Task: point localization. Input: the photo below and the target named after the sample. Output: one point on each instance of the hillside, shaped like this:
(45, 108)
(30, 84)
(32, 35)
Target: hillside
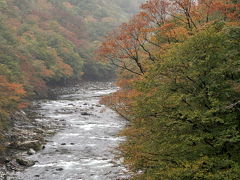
(46, 42)
(178, 64)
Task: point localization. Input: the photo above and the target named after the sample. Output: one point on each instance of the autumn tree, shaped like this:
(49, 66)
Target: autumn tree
(185, 124)
(123, 51)
(183, 109)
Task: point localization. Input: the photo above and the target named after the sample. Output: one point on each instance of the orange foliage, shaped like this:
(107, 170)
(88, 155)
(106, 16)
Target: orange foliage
(122, 100)
(71, 36)
(173, 20)
(23, 105)
(10, 94)
(64, 68)
(13, 23)
(31, 76)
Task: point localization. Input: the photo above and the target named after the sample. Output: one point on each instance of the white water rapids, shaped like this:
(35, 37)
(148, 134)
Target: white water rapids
(85, 148)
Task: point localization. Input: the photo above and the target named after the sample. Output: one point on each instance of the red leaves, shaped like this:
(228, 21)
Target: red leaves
(11, 88)
(156, 11)
(159, 24)
(10, 94)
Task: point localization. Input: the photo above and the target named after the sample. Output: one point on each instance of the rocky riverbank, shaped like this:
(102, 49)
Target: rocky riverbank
(84, 142)
(25, 138)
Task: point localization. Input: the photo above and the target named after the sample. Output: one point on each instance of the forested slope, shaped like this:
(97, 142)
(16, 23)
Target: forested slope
(47, 42)
(179, 75)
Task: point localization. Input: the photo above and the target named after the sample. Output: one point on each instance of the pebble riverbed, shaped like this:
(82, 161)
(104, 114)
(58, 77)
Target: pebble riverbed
(85, 148)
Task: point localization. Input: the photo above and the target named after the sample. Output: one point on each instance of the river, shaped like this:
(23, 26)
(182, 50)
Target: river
(84, 149)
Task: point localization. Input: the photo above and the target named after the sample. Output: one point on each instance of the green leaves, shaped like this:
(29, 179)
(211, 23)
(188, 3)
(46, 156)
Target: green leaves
(188, 115)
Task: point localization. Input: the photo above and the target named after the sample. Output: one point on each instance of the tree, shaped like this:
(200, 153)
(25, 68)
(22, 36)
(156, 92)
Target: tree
(185, 123)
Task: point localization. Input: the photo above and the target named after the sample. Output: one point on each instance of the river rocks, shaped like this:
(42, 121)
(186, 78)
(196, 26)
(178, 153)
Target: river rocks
(25, 162)
(85, 114)
(19, 117)
(36, 145)
(24, 138)
(84, 149)
(39, 130)
(59, 169)
(31, 152)
(3, 175)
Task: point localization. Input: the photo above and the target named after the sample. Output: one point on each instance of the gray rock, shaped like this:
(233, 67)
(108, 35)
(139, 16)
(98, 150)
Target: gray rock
(25, 162)
(59, 169)
(3, 173)
(31, 151)
(85, 114)
(36, 145)
(39, 130)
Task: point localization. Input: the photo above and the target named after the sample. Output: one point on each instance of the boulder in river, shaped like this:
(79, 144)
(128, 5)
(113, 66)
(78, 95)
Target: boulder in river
(25, 162)
(59, 169)
(31, 151)
(85, 114)
(36, 145)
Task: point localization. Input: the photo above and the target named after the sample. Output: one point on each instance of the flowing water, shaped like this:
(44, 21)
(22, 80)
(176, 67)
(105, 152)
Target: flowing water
(84, 149)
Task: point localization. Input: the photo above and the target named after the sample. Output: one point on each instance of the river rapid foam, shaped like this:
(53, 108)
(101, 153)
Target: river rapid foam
(84, 149)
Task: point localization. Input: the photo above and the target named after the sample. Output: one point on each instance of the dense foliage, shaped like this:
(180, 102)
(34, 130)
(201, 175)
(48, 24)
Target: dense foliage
(179, 77)
(46, 42)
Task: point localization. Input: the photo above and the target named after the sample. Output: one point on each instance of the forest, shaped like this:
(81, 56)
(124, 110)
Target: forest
(52, 42)
(178, 65)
